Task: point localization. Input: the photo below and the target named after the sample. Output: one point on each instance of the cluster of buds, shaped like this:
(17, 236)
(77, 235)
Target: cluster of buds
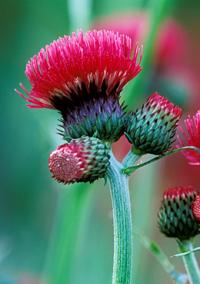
(82, 77)
(179, 214)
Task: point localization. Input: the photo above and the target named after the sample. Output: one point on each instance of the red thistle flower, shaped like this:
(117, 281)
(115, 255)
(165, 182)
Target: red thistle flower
(196, 208)
(81, 160)
(189, 135)
(82, 77)
(175, 217)
(152, 127)
(98, 57)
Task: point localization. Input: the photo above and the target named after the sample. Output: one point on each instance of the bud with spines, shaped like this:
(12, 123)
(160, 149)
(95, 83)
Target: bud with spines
(175, 217)
(151, 128)
(82, 160)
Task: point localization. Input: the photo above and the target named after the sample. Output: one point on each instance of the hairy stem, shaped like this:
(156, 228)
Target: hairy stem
(130, 159)
(190, 262)
(122, 221)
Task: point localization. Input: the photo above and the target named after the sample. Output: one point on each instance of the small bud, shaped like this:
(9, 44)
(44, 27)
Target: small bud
(152, 127)
(196, 208)
(82, 160)
(175, 217)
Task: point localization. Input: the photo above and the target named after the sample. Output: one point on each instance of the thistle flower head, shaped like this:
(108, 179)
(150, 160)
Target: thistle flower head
(74, 65)
(196, 208)
(81, 160)
(82, 76)
(152, 127)
(189, 135)
(175, 217)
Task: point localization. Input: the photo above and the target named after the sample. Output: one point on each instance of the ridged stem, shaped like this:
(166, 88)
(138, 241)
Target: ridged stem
(190, 262)
(122, 221)
(130, 159)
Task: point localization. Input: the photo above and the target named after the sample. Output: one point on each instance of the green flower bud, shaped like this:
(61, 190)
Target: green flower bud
(152, 127)
(175, 217)
(82, 160)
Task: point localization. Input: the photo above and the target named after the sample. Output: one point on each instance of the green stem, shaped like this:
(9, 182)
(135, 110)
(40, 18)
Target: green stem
(162, 258)
(122, 221)
(67, 226)
(187, 252)
(190, 262)
(130, 170)
(130, 159)
(161, 7)
(79, 14)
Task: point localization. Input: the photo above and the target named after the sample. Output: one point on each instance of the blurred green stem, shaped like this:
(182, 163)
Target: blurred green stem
(190, 262)
(154, 248)
(79, 13)
(72, 207)
(158, 10)
(122, 221)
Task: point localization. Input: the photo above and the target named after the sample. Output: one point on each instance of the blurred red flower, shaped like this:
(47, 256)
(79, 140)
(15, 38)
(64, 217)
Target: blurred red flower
(171, 43)
(189, 135)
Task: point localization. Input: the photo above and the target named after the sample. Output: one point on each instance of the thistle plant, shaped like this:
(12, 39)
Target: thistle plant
(82, 77)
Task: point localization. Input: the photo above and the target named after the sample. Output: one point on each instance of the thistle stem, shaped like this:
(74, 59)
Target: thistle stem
(131, 169)
(130, 159)
(190, 262)
(122, 221)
